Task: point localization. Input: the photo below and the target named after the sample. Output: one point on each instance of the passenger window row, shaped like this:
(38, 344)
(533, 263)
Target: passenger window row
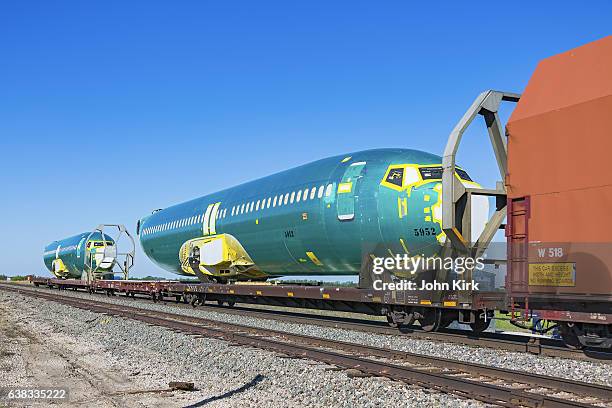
(265, 203)
(185, 222)
(283, 199)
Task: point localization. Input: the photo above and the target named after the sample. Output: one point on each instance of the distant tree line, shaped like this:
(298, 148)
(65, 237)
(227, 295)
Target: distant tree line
(13, 278)
(311, 282)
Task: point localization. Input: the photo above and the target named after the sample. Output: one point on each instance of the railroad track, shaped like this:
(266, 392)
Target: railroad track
(498, 341)
(492, 385)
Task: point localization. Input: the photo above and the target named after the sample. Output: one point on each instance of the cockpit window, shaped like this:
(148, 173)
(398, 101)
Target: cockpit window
(435, 173)
(100, 244)
(463, 175)
(395, 176)
(428, 173)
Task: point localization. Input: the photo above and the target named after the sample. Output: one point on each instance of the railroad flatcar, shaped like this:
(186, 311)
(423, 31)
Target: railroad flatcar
(72, 257)
(316, 219)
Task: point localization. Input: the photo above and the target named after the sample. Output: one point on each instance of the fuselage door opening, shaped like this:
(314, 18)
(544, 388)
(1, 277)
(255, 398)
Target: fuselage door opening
(209, 225)
(347, 191)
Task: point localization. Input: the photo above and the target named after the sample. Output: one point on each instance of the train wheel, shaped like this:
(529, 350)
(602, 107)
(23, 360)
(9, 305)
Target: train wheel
(480, 324)
(193, 301)
(430, 319)
(400, 318)
(220, 302)
(231, 303)
(447, 318)
(569, 336)
(392, 322)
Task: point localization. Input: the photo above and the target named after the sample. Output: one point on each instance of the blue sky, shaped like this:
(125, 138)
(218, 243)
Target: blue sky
(112, 109)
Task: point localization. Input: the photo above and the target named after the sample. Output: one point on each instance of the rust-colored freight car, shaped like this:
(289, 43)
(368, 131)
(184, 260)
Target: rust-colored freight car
(559, 186)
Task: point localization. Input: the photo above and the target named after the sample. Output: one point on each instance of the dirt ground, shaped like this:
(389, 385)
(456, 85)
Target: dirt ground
(52, 360)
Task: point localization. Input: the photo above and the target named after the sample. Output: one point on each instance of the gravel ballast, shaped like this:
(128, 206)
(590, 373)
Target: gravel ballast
(225, 375)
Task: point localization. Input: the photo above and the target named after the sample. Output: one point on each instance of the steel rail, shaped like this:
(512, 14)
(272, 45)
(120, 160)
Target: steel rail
(507, 342)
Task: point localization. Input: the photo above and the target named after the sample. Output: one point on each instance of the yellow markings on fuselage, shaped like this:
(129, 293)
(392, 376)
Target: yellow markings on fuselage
(314, 258)
(345, 187)
(436, 212)
(411, 177)
(58, 267)
(346, 159)
(404, 245)
(402, 207)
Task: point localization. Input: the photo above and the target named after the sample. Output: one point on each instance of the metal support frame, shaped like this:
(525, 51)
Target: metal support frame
(454, 194)
(456, 198)
(127, 257)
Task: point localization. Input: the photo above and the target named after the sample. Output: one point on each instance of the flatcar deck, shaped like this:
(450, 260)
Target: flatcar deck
(338, 298)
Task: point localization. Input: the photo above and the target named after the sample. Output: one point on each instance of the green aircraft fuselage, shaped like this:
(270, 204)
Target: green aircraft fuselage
(69, 257)
(320, 218)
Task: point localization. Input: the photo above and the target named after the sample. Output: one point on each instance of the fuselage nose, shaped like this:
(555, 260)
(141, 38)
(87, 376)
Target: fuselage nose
(410, 218)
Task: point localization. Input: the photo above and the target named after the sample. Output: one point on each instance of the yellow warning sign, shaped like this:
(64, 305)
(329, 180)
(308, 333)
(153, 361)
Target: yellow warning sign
(552, 274)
